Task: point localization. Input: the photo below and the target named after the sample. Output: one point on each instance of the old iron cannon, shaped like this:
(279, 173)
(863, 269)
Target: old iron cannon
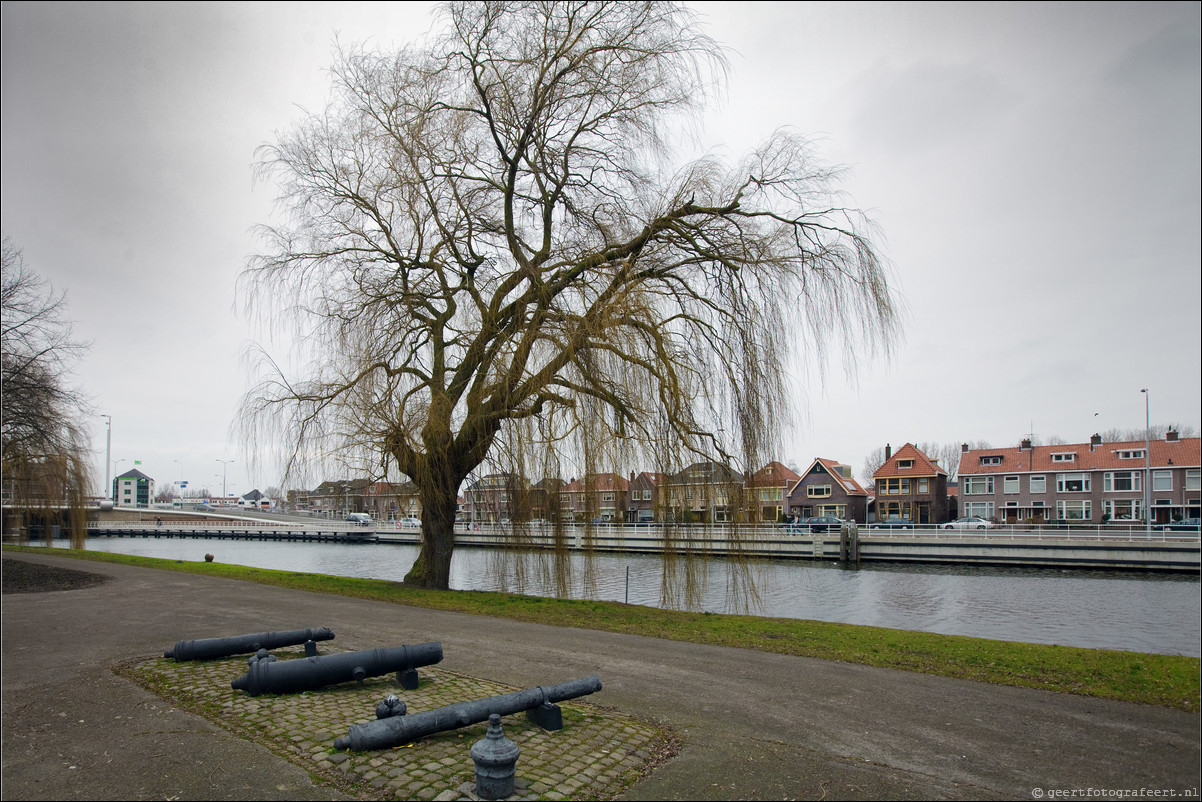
(311, 673)
(213, 648)
(384, 733)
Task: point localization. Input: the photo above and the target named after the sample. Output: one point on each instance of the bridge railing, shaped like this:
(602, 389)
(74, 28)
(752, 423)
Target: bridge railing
(226, 525)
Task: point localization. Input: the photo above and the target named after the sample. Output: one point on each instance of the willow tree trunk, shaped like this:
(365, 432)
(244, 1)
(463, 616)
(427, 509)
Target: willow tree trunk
(438, 490)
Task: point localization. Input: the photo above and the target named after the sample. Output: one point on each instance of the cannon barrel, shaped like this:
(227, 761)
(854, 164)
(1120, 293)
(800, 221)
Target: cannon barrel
(399, 730)
(212, 648)
(311, 673)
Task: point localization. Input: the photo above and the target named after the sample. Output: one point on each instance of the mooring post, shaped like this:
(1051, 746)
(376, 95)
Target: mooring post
(849, 545)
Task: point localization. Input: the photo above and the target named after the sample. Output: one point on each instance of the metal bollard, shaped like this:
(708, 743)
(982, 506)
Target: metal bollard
(496, 759)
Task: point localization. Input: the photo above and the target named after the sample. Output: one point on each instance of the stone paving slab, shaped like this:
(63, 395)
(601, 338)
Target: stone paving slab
(597, 755)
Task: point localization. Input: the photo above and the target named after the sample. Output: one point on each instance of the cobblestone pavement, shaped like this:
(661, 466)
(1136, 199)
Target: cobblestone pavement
(597, 755)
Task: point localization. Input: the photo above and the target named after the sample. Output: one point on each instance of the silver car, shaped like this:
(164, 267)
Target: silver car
(971, 522)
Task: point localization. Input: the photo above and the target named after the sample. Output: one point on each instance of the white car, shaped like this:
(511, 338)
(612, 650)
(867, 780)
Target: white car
(409, 523)
(971, 522)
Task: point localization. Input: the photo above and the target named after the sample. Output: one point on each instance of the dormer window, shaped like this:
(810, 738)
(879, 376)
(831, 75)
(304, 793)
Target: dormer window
(1132, 454)
(905, 463)
(1064, 456)
(993, 460)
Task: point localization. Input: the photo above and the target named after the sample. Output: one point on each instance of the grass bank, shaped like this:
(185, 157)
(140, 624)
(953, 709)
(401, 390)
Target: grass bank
(1163, 680)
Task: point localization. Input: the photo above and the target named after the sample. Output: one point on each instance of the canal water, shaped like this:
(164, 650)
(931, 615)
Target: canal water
(1156, 613)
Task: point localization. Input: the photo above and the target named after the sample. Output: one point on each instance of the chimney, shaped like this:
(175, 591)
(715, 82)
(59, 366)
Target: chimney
(1171, 436)
(964, 448)
(1094, 441)
(888, 452)
(1025, 445)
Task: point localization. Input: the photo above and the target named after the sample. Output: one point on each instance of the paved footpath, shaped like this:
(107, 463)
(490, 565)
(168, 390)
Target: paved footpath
(754, 725)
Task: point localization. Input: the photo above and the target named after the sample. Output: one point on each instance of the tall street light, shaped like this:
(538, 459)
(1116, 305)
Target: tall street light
(108, 455)
(225, 463)
(1147, 462)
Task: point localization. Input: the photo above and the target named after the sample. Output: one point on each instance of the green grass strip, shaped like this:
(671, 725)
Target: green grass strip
(1164, 680)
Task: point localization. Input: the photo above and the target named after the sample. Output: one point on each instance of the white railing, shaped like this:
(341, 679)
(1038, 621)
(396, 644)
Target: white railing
(768, 532)
(227, 525)
(716, 534)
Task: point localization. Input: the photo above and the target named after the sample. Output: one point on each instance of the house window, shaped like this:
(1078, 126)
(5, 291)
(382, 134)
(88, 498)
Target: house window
(818, 491)
(905, 463)
(1123, 509)
(1193, 479)
(1072, 483)
(837, 510)
(1039, 484)
(924, 485)
(1073, 510)
(1122, 482)
(993, 460)
(1068, 456)
(1162, 480)
(981, 509)
(1010, 484)
(978, 485)
(1137, 454)
(894, 487)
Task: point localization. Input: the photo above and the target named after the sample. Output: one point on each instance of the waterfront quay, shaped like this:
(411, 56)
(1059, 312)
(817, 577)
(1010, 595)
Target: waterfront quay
(1082, 547)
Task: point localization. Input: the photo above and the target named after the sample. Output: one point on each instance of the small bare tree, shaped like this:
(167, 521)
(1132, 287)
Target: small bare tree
(490, 257)
(44, 450)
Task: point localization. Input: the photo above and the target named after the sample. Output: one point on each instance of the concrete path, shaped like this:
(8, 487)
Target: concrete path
(755, 726)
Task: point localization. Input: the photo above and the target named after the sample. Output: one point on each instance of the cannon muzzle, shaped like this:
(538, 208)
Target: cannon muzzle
(384, 733)
(213, 648)
(311, 673)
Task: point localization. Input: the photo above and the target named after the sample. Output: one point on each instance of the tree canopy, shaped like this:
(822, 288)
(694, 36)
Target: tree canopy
(43, 441)
(490, 253)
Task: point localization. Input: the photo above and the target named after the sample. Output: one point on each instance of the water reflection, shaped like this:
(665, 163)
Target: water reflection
(1094, 609)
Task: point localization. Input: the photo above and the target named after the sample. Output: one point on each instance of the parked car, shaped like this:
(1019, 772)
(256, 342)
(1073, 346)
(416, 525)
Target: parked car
(409, 523)
(893, 522)
(969, 522)
(359, 519)
(824, 523)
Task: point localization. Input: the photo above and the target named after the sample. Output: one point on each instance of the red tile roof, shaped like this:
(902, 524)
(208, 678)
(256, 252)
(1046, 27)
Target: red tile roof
(772, 475)
(600, 481)
(1185, 452)
(923, 465)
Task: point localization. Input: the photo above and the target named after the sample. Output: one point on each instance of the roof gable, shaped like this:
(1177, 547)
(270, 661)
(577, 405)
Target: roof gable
(832, 468)
(919, 464)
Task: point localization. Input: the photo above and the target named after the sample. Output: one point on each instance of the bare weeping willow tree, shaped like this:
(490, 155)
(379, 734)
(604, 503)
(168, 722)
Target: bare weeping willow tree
(44, 455)
(488, 256)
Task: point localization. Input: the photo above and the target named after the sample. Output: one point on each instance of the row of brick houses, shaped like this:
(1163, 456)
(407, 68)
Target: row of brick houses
(1089, 482)
(1094, 482)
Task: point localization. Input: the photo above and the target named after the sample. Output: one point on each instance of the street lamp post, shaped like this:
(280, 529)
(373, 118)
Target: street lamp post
(225, 463)
(117, 462)
(108, 455)
(1147, 462)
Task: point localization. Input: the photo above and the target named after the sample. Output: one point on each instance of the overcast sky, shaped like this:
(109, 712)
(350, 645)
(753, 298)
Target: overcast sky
(1034, 169)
